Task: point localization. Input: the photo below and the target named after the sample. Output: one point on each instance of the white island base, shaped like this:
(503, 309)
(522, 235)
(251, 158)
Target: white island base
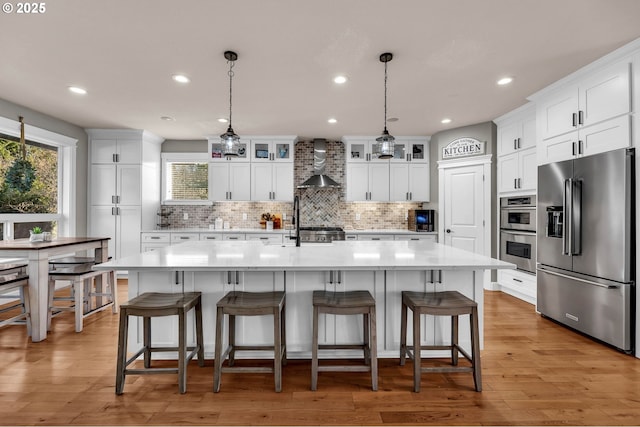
(383, 268)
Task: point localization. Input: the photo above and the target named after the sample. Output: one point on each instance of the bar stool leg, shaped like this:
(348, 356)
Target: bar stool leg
(146, 339)
(217, 363)
(232, 339)
(417, 358)
(373, 346)
(182, 349)
(475, 344)
(365, 335)
(114, 291)
(314, 351)
(283, 331)
(454, 340)
(122, 351)
(199, 332)
(403, 333)
(277, 350)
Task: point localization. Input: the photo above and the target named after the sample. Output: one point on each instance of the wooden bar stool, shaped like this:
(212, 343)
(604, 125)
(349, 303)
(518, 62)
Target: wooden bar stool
(346, 303)
(250, 304)
(80, 279)
(447, 303)
(153, 304)
(14, 277)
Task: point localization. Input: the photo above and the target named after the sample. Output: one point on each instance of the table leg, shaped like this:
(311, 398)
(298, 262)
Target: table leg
(101, 255)
(38, 271)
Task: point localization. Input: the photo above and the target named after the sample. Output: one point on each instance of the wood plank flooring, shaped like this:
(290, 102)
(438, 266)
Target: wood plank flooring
(534, 373)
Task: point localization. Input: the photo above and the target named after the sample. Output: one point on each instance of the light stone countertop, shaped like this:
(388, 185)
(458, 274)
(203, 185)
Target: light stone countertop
(286, 231)
(342, 255)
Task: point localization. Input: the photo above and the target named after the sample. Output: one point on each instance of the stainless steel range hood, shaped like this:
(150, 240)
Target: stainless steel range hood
(319, 179)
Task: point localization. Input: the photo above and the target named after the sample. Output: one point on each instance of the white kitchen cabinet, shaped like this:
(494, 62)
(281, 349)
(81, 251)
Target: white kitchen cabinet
(216, 147)
(595, 97)
(233, 236)
(272, 149)
(265, 238)
(375, 237)
(409, 181)
(368, 182)
(272, 181)
(517, 135)
(604, 136)
(518, 171)
(184, 237)
(153, 241)
(230, 181)
(418, 237)
(210, 236)
(124, 186)
(359, 149)
(411, 149)
(518, 284)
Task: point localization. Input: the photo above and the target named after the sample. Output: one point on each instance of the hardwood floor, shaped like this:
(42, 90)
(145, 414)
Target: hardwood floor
(534, 373)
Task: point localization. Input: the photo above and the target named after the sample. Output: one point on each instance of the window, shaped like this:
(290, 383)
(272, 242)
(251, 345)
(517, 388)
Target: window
(43, 193)
(185, 178)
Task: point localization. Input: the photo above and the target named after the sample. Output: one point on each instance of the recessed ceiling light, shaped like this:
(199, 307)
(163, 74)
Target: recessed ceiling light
(340, 79)
(504, 81)
(445, 121)
(78, 90)
(223, 120)
(181, 78)
(167, 119)
(332, 120)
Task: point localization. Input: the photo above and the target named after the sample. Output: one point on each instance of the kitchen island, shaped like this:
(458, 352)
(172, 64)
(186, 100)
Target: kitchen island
(385, 268)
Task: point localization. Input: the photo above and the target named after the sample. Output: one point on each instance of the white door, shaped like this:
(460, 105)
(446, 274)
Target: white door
(464, 207)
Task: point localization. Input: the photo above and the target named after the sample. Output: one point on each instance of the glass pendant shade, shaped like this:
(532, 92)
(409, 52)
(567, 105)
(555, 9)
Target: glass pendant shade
(230, 142)
(385, 145)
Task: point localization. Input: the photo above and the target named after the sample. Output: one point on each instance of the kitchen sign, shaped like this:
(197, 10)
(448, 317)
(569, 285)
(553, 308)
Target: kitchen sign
(463, 147)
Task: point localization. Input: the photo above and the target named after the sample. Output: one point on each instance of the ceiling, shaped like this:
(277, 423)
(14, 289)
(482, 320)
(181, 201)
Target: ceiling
(448, 55)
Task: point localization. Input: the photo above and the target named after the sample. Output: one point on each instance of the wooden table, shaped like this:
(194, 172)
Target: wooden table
(38, 255)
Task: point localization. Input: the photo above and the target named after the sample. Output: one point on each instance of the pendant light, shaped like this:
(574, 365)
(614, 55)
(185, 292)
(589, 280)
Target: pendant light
(230, 141)
(385, 143)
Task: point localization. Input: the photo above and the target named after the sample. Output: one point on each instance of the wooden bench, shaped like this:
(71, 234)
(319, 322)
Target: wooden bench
(13, 277)
(80, 278)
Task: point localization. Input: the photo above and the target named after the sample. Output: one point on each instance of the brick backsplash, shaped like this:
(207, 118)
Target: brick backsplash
(318, 207)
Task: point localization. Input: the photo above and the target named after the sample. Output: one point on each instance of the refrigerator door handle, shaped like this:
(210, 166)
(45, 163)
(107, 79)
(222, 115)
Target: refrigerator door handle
(568, 215)
(566, 276)
(576, 218)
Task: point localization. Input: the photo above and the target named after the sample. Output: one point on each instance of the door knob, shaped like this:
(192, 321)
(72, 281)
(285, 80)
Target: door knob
(448, 230)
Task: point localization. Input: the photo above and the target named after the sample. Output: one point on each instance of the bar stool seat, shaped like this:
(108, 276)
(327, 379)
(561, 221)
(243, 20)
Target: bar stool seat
(80, 279)
(13, 277)
(250, 304)
(346, 303)
(445, 303)
(154, 304)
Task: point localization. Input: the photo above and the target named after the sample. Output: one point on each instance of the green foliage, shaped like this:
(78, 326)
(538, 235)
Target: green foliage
(36, 230)
(16, 195)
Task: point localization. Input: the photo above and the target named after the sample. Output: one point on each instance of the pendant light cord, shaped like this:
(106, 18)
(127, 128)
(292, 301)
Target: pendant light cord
(23, 145)
(232, 63)
(385, 96)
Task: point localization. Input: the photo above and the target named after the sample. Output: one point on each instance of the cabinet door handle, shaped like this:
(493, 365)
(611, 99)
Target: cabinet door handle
(573, 148)
(580, 117)
(113, 211)
(580, 147)
(515, 182)
(574, 119)
(237, 280)
(519, 143)
(410, 195)
(113, 199)
(519, 182)
(230, 198)
(515, 144)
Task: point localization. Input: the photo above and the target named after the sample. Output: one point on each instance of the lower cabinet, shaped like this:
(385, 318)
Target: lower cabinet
(518, 284)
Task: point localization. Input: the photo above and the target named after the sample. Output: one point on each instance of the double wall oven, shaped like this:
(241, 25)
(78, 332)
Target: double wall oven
(518, 232)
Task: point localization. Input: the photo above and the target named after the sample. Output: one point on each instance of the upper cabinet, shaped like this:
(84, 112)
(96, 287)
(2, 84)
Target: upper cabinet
(517, 166)
(589, 114)
(272, 150)
(403, 178)
(263, 170)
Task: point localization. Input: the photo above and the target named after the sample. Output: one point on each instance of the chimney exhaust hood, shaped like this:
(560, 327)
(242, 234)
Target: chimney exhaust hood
(319, 179)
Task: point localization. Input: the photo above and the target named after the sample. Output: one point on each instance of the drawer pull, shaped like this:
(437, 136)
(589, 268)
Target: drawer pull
(517, 280)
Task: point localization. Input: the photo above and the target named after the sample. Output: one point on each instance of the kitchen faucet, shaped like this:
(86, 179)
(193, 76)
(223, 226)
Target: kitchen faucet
(295, 219)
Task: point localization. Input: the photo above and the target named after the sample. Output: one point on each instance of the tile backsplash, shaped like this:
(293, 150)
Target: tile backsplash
(318, 207)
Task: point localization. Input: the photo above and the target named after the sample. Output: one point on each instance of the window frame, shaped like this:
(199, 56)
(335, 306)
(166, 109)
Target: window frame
(67, 147)
(181, 157)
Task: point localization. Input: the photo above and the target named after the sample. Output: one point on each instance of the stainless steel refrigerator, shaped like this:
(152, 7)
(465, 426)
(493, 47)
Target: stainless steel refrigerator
(586, 241)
